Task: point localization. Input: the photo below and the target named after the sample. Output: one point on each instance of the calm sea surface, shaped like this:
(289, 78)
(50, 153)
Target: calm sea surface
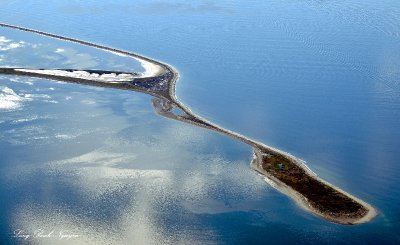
(318, 79)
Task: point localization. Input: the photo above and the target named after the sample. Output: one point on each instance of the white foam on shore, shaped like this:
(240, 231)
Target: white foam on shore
(109, 78)
(117, 53)
(150, 69)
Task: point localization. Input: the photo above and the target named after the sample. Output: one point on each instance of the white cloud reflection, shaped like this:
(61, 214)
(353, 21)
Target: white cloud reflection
(74, 59)
(8, 44)
(141, 172)
(4, 40)
(116, 178)
(117, 175)
(9, 100)
(146, 180)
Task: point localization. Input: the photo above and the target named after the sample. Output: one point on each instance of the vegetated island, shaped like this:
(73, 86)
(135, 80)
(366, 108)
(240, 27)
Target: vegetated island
(283, 171)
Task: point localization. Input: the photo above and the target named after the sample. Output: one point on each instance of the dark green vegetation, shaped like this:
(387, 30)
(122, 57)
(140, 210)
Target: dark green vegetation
(320, 196)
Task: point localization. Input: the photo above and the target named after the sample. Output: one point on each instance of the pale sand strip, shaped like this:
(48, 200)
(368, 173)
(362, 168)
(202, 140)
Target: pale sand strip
(108, 78)
(150, 69)
(153, 67)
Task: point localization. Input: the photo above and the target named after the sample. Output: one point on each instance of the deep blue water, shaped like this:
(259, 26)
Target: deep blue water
(319, 79)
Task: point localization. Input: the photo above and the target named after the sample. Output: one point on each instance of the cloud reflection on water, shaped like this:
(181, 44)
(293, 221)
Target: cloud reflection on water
(100, 163)
(131, 178)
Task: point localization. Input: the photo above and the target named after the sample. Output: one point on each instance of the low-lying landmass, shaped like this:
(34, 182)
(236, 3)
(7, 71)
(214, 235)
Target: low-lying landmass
(283, 171)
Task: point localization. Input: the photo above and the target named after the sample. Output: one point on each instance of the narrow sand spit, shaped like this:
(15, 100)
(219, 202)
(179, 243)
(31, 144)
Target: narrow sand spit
(110, 77)
(153, 81)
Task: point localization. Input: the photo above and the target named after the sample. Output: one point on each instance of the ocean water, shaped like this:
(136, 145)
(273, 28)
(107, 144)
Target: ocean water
(318, 79)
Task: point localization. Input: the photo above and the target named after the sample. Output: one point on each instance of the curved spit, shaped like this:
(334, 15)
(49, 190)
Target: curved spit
(283, 171)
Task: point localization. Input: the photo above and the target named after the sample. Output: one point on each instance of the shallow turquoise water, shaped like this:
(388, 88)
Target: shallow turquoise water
(317, 79)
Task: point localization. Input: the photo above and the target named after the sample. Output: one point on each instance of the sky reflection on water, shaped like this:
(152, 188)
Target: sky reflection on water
(318, 79)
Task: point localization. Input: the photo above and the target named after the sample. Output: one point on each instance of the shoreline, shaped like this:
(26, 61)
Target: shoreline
(159, 80)
(302, 201)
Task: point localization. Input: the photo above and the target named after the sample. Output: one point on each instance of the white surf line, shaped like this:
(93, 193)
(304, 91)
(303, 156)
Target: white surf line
(106, 77)
(152, 67)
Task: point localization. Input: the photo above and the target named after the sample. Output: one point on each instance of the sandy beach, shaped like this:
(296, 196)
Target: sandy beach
(151, 81)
